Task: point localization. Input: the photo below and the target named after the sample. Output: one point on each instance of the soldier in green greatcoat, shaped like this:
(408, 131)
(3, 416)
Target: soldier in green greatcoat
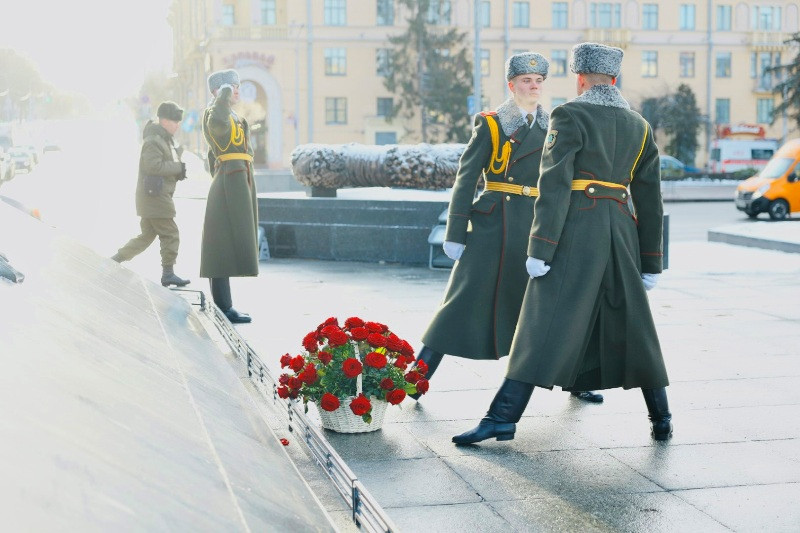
(585, 319)
(488, 237)
(160, 169)
(229, 247)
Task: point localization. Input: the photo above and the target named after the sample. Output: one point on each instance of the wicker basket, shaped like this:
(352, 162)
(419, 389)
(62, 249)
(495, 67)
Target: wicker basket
(343, 420)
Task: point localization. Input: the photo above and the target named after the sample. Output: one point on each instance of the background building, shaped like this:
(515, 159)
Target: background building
(312, 69)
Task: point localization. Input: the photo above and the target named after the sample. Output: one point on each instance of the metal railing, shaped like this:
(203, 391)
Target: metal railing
(366, 512)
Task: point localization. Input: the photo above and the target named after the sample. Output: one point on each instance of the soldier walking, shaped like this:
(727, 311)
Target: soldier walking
(586, 319)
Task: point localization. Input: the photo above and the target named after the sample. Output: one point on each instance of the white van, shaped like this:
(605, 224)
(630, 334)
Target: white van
(729, 155)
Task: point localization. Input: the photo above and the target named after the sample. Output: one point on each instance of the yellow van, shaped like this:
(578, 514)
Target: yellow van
(776, 189)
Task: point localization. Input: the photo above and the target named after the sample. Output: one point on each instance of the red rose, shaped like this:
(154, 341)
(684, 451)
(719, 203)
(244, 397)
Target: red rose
(309, 375)
(407, 350)
(286, 360)
(359, 334)
(327, 330)
(422, 367)
(409, 359)
(376, 339)
(351, 367)
(360, 405)
(337, 338)
(297, 363)
(353, 322)
(332, 321)
(394, 343)
(310, 342)
(284, 379)
(413, 376)
(387, 384)
(294, 394)
(294, 383)
(422, 385)
(375, 327)
(401, 363)
(329, 402)
(375, 360)
(283, 392)
(325, 357)
(396, 396)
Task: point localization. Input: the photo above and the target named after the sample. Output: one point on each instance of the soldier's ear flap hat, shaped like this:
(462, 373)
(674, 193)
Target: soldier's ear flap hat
(596, 58)
(170, 111)
(221, 77)
(526, 63)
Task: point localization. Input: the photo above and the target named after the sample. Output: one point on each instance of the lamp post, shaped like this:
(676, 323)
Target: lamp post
(476, 74)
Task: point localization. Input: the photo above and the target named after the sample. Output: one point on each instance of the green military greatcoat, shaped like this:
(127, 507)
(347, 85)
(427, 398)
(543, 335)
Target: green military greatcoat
(481, 303)
(230, 232)
(587, 323)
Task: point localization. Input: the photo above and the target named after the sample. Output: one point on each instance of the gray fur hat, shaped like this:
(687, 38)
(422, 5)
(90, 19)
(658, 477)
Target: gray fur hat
(526, 63)
(596, 58)
(170, 111)
(221, 77)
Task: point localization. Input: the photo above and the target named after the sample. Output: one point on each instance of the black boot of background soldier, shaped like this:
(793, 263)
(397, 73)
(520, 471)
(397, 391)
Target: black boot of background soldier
(658, 409)
(505, 411)
(432, 358)
(588, 396)
(221, 294)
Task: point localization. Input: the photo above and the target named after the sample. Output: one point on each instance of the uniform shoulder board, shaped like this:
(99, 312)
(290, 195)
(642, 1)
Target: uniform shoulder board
(488, 113)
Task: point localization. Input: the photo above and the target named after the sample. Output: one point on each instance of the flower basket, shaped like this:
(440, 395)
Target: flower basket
(344, 421)
(351, 373)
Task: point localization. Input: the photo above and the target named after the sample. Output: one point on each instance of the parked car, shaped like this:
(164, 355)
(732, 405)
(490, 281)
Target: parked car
(29, 148)
(671, 168)
(23, 160)
(776, 189)
(7, 167)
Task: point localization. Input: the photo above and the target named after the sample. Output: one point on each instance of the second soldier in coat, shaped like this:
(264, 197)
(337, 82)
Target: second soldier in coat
(488, 237)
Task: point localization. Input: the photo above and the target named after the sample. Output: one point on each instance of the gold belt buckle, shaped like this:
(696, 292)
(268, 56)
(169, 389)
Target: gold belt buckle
(526, 190)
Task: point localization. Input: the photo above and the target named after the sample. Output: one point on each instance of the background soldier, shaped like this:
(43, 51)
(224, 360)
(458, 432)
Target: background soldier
(488, 237)
(588, 324)
(160, 168)
(230, 231)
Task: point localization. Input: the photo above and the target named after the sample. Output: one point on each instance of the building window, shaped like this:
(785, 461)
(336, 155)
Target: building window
(687, 17)
(766, 60)
(385, 137)
(722, 108)
(723, 65)
(723, 18)
(335, 13)
(484, 62)
(385, 13)
(228, 15)
(269, 16)
(687, 65)
(383, 62)
(558, 63)
(486, 14)
(439, 12)
(649, 64)
(764, 107)
(650, 17)
(767, 18)
(557, 101)
(336, 111)
(559, 15)
(521, 15)
(335, 62)
(385, 106)
(605, 14)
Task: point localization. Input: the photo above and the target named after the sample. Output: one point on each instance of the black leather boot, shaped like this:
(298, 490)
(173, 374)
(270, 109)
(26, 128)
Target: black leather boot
(432, 358)
(588, 396)
(501, 421)
(658, 408)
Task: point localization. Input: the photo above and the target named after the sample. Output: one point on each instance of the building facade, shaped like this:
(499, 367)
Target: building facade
(312, 70)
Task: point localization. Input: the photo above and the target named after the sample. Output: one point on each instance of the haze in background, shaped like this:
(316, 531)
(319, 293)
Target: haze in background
(99, 48)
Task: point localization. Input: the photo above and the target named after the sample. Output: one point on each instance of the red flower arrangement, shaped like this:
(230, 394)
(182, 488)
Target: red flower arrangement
(337, 357)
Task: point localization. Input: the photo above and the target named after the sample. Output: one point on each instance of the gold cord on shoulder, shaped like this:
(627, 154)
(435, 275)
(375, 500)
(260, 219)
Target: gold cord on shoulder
(499, 158)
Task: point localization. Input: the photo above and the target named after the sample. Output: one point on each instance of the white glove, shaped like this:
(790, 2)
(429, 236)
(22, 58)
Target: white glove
(650, 280)
(223, 86)
(453, 250)
(536, 267)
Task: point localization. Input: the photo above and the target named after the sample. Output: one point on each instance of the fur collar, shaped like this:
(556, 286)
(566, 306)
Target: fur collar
(605, 95)
(511, 119)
